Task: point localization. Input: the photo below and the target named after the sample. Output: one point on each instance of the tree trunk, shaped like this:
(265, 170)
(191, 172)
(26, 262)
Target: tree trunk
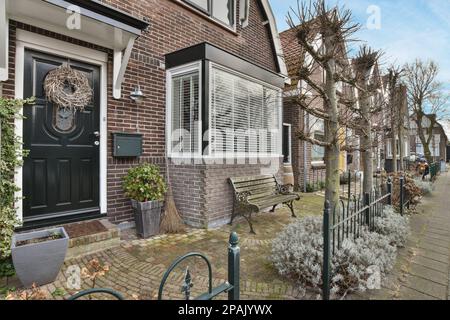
(425, 142)
(394, 148)
(401, 145)
(332, 152)
(366, 141)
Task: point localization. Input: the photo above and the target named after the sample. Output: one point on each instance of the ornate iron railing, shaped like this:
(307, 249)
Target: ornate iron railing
(348, 220)
(231, 286)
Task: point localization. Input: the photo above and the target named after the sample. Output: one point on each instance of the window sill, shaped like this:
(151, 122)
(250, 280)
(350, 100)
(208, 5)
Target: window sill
(318, 165)
(231, 30)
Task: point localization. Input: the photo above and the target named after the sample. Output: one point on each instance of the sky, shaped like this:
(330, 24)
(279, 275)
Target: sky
(408, 29)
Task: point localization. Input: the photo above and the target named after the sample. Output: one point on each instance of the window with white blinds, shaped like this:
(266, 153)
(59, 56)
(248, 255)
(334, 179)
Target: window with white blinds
(185, 114)
(244, 116)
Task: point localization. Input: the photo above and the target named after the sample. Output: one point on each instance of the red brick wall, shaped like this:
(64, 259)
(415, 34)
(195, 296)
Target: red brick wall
(172, 27)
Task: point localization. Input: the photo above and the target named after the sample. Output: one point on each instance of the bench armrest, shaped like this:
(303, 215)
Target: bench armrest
(284, 189)
(242, 197)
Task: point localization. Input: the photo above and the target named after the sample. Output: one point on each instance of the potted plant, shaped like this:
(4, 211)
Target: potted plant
(38, 255)
(146, 188)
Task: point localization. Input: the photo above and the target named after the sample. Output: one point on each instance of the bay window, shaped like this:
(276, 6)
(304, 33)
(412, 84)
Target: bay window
(242, 116)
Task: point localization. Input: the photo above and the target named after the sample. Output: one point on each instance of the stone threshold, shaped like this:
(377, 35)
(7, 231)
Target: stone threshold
(106, 237)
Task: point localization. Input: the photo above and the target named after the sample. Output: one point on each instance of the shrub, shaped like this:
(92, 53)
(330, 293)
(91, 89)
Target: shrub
(10, 155)
(297, 253)
(394, 226)
(426, 187)
(145, 183)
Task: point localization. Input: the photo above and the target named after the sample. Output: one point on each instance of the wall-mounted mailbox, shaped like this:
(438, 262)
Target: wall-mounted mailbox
(127, 145)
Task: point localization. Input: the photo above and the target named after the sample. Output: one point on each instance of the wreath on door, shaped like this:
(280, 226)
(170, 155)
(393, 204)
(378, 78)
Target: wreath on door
(68, 88)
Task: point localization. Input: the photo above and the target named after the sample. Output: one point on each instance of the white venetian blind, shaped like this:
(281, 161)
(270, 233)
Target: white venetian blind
(244, 116)
(185, 114)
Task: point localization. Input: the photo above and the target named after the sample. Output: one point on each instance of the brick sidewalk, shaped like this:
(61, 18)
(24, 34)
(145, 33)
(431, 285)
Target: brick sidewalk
(422, 271)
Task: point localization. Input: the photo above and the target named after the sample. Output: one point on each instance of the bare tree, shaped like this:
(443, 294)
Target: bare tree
(425, 93)
(364, 65)
(322, 32)
(394, 78)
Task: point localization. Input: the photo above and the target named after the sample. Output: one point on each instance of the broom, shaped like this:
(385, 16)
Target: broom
(171, 221)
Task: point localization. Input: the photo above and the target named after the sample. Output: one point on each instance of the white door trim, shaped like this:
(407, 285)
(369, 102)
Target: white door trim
(28, 40)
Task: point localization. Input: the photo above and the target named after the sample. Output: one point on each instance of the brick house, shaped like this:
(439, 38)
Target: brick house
(438, 143)
(307, 160)
(204, 68)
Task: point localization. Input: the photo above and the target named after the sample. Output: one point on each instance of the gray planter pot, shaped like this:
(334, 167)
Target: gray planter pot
(147, 217)
(39, 263)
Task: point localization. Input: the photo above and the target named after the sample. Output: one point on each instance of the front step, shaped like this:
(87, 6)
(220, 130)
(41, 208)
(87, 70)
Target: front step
(90, 237)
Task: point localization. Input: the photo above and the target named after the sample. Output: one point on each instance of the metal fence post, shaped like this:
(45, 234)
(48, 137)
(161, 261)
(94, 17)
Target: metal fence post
(389, 191)
(402, 189)
(367, 204)
(349, 185)
(234, 254)
(326, 252)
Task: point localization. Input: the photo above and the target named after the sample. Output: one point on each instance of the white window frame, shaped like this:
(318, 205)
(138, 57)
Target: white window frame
(209, 15)
(389, 145)
(314, 130)
(279, 150)
(436, 145)
(289, 143)
(170, 74)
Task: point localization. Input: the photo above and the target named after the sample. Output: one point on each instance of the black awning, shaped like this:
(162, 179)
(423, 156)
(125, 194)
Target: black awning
(210, 52)
(105, 13)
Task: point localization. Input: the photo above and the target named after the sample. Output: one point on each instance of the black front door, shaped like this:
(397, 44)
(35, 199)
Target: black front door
(61, 172)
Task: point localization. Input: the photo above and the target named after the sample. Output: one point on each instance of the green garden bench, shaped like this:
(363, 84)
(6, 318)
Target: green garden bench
(253, 194)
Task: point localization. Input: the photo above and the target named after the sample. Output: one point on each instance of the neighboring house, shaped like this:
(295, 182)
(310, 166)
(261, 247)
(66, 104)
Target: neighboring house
(439, 140)
(446, 126)
(206, 68)
(307, 160)
(401, 99)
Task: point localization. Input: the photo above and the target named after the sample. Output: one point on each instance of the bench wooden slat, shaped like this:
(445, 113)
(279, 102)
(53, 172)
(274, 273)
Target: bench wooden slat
(266, 194)
(257, 188)
(252, 178)
(254, 183)
(269, 202)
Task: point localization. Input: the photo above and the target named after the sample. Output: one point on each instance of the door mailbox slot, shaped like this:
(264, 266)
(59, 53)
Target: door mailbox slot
(127, 145)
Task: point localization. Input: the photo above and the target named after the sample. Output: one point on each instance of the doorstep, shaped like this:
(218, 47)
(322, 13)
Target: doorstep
(90, 237)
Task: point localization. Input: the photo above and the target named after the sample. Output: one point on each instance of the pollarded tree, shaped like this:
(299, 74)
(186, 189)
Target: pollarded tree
(369, 104)
(394, 112)
(323, 33)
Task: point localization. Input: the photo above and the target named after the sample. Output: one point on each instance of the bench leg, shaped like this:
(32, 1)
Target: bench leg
(273, 209)
(249, 220)
(291, 206)
(233, 215)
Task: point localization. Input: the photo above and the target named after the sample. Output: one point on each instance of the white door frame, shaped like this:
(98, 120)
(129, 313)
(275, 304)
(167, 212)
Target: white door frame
(28, 40)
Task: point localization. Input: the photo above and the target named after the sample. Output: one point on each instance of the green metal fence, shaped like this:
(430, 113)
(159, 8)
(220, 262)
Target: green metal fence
(231, 287)
(347, 220)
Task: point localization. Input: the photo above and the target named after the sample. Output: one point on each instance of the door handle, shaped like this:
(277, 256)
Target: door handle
(97, 134)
